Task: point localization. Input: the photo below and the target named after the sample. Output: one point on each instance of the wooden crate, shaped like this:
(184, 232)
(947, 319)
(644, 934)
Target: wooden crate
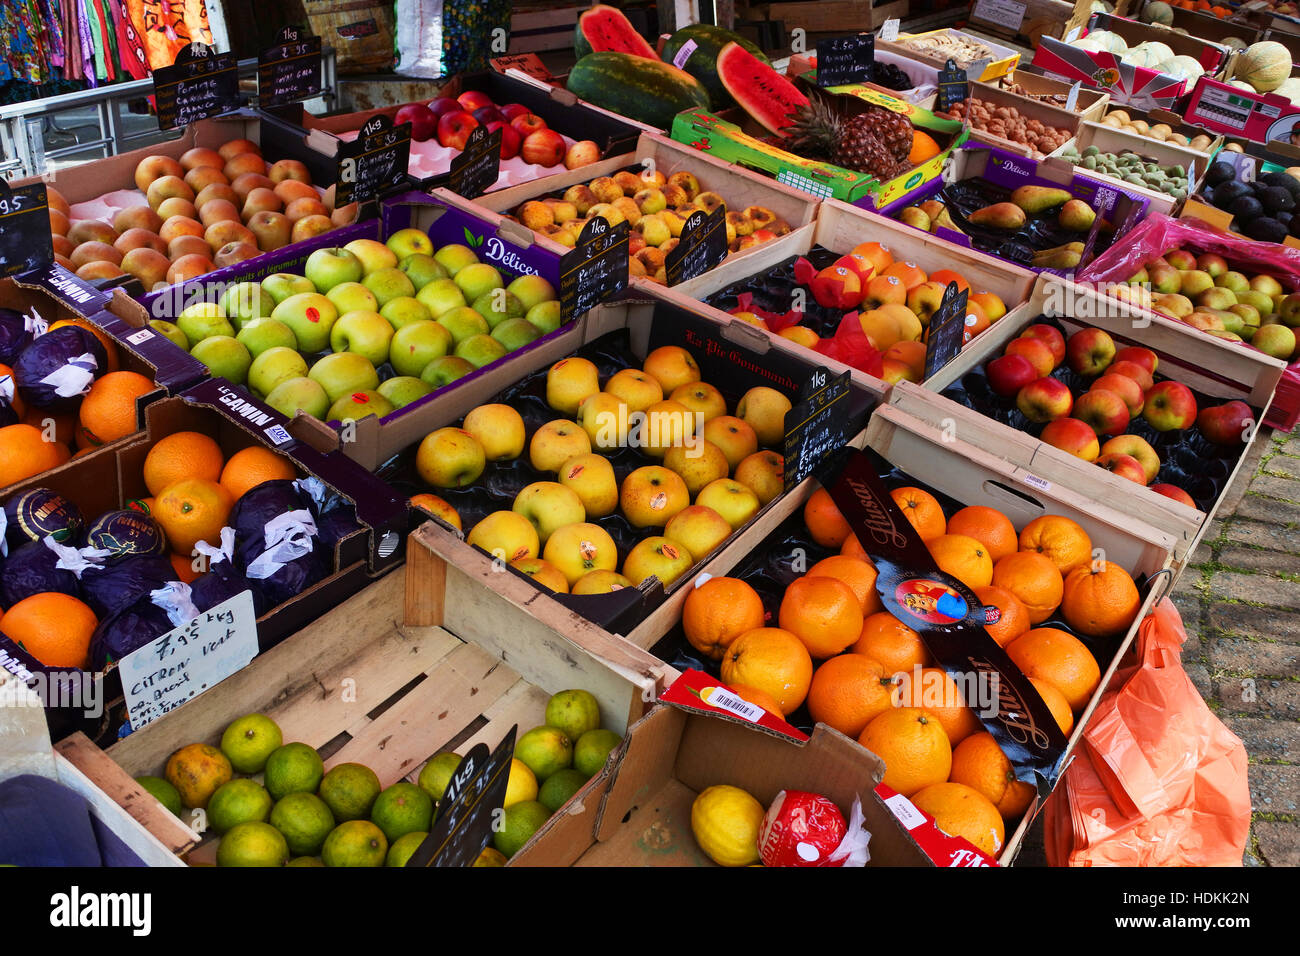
(832, 17)
(1013, 20)
(365, 684)
(1111, 140)
(1090, 104)
(1174, 121)
(1029, 108)
(1208, 365)
(1005, 59)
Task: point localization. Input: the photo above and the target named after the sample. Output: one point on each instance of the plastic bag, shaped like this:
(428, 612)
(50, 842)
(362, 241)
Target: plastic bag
(437, 38)
(1157, 780)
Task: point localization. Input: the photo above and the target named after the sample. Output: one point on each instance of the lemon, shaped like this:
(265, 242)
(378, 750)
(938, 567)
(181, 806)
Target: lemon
(490, 857)
(725, 821)
(573, 711)
(252, 844)
(401, 849)
(545, 750)
(522, 784)
(521, 822)
(437, 774)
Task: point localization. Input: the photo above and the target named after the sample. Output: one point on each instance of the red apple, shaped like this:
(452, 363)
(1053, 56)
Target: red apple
(488, 114)
(1008, 374)
(1174, 492)
(510, 139)
(1036, 351)
(528, 123)
(837, 287)
(444, 104)
(1226, 424)
(471, 100)
(1136, 447)
(454, 129)
(1125, 387)
(545, 147)
(1136, 353)
(1073, 436)
(1126, 466)
(422, 119)
(1089, 351)
(1044, 400)
(511, 110)
(1169, 406)
(1049, 334)
(1104, 411)
(1134, 371)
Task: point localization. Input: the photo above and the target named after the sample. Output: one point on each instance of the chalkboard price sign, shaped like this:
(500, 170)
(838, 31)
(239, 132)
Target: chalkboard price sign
(953, 87)
(374, 162)
(25, 239)
(479, 164)
(596, 269)
(470, 809)
(290, 70)
(701, 246)
(845, 60)
(817, 425)
(947, 330)
(200, 84)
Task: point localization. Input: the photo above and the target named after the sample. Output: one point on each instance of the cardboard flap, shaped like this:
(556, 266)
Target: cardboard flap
(699, 693)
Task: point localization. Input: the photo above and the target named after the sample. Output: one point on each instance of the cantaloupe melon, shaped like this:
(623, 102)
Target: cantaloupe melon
(1158, 12)
(1264, 65)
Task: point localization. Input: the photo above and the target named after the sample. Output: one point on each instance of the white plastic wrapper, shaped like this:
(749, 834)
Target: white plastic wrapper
(76, 561)
(174, 598)
(288, 537)
(75, 378)
(217, 554)
(853, 849)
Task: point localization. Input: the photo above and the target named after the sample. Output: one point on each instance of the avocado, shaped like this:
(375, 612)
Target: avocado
(1220, 172)
(1266, 229)
(1246, 208)
(1284, 216)
(1277, 198)
(1226, 193)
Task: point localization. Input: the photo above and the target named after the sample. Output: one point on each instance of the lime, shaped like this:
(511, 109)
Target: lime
(304, 820)
(592, 749)
(249, 741)
(490, 857)
(545, 750)
(238, 801)
(401, 809)
(355, 843)
(305, 861)
(437, 773)
(559, 787)
(404, 846)
(349, 790)
(521, 822)
(293, 768)
(573, 711)
(252, 844)
(163, 792)
(521, 786)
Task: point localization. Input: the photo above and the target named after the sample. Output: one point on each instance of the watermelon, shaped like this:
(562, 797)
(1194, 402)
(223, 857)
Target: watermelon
(701, 60)
(763, 93)
(604, 29)
(648, 91)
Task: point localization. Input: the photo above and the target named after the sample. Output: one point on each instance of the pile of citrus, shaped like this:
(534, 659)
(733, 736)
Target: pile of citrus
(868, 675)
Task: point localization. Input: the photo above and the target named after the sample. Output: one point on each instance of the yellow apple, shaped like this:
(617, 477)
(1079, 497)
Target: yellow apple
(577, 549)
(544, 573)
(374, 255)
(763, 473)
(555, 443)
(672, 366)
(568, 382)
(735, 437)
(591, 477)
(663, 558)
(667, 424)
(699, 528)
(698, 465)
(729, 498)
(635, 387)
(651, 495)
(449, 458)
(549, 506)
(604, 417)
(499, 429)
(763, 409)
(506, 536)
(701, 397)
(436, 506)
(600, 582)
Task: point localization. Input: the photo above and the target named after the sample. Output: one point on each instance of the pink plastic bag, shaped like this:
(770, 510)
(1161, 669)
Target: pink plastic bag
(1157, 780)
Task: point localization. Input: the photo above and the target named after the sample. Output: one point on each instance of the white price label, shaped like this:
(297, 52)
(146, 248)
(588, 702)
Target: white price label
(1073, 98)
(904, 812)
(735, 704)
(277, 434)
(1005, 13)
(138, 338)
(890, 30)
(1042, 484)
(684, 54)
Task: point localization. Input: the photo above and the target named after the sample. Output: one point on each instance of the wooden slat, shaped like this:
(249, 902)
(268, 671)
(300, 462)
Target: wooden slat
(523, 705)
(426, 588)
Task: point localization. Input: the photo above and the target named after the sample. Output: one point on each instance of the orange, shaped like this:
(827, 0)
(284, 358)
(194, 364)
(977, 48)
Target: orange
(824, 613)
(182, 455)
(911, 354)
(908, 273)
(932, 689)
(251, 466)
(1056, 703)
(896, 646)
(923, 148)
(106, 340)
(24, 452)
(772, 660)
(54, 628)
(913, 746)
(922, 511)
(108, 412)
(1100, 600)
(66, 425)
(1015, 616)
(852, 548)
(9, 384)
(760, 697)
(879, 256)
(857, 573)
(183, 565)
(988, 526)
(192, 510)
(1035, 579)
(980, 764)
(961, 811)
(1059, 658)
(719, 611)
(977, 320)
(947, 276)
(964, 558)
(1060, 538)
(848, 691)
(824, 521)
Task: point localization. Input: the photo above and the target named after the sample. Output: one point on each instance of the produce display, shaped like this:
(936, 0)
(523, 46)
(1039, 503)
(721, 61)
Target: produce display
(1163, 132)
(1009, 84)
(965, 50)
(1149, 54)
(1007, 123)
(1132, 168)
(1261, 209)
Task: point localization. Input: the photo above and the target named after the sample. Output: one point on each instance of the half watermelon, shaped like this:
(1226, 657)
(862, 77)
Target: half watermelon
(604, 29)
(761, 91)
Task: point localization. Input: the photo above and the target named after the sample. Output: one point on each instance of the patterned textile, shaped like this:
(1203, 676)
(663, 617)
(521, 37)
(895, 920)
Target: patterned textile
(166, 26)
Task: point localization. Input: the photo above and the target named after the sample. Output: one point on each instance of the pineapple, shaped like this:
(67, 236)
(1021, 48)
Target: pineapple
(817, 132)
(892, 129)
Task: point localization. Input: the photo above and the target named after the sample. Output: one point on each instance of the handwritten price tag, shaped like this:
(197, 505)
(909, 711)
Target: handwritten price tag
(25, 240)
(200, 84)
(374, 162)
(596, 269)
(290, 70)
(816, 425)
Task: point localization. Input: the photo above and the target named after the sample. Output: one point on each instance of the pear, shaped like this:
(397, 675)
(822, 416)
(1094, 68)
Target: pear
(1002, 215)
(1034, 199)
(1077, 216)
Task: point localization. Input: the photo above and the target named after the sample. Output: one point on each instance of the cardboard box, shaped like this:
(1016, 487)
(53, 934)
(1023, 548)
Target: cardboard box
(1203, 26)
(1110, 140)
(1030, 20)
(1244, 114)
(1003, 61)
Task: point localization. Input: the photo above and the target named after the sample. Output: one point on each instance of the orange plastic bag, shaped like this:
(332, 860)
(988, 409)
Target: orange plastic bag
(1157, 779)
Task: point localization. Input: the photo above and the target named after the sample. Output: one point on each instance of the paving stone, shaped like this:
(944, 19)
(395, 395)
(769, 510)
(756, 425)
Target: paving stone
(1257, 696)
(1256, 588)
(1263, 622)
(1278, 784)
(1266, 738)
(1269, 509)
(1253, 559)
(1288, 489)
(1254, 658)
(1262, 534)
(1279, 843)
(1284, 464)
(1200, 677)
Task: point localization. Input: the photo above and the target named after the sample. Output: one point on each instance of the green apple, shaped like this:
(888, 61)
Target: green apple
(170, 332)
(531, 290)
(422, 269)
(311, 316)
(202, 320)
(404, 389)
(299, 394)
(463, 323)
(374, 255)
(225, 358)
(359, 404)
(516, 333)
(480, 350)
(282, 285)
(545, 315)
(445, 370)
(404, 310)
(441, 296)
(474, 280)
(416, 345)
(408, 242)
(262, 334)
(498, 305)
(274, 366)
(344, 372)
(351, 296)
(327, 268)
(246, 301)
(453, 258)
(388, 284)
(365, 333)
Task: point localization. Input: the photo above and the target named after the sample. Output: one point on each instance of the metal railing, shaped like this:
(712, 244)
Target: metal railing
(23, 125)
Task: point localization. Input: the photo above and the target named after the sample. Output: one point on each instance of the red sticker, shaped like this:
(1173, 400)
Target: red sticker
(313, 315)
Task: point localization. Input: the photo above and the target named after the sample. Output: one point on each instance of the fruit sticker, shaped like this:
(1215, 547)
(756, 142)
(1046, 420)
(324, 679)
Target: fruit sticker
(931, 601)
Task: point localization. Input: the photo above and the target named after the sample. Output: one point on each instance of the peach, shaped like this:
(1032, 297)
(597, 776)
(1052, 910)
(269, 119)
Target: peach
(64, 261)
(234, 252)
(137, 217)
(140, 238)
(201, 176)
(310, 226)
(179, 226)
(56, 201)
(153, 168)
(188, 246)
(301, 208)
(290, 189)
(287, 169)
(166, 188)
(228, 151)
(218, 210)
(58, 223)
(199, 157)
(244, 163)
(91, 230)
(229, 230)
(216, 191)
(148, 265)
(245, 184)
(260, 199)
(63, 245)
(188, 267)
(176, 206)
(99, 270)
(89, 252)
